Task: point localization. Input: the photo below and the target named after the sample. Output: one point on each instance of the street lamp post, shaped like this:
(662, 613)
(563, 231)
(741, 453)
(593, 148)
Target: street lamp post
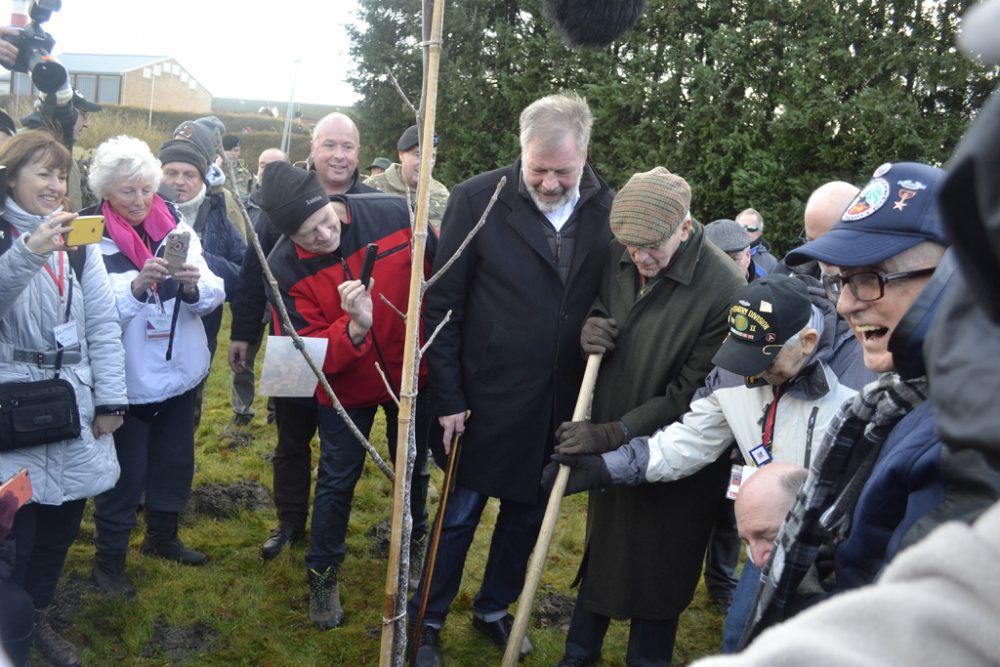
(154, 72)
(286, 133)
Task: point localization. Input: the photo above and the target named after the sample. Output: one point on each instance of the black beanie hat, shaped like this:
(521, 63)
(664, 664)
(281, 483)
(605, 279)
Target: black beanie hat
(289, 195)
(229, 142)
(178, 150)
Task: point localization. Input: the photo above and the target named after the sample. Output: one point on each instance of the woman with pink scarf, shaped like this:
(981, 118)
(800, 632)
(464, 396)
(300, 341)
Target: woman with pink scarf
(166, 357)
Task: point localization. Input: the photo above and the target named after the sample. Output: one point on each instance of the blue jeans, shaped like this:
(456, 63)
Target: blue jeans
(739, 613)
(513, 539)
(341, 462)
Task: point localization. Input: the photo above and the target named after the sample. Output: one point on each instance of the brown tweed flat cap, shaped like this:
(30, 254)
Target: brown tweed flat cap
(649, 208)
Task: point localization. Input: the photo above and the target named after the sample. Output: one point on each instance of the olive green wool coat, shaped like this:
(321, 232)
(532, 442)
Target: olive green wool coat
(645, 544)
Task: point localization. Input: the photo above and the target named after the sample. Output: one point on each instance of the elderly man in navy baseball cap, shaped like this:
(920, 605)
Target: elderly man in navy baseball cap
(881, 253)
(879, 470)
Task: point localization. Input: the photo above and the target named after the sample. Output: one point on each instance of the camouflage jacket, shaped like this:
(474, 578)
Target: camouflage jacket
(391, 182)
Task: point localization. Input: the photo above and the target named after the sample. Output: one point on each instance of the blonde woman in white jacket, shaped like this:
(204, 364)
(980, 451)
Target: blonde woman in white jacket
(50, 293)
(166, 357)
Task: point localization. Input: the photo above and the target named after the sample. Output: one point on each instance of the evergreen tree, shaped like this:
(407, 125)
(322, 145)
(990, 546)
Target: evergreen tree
(754, 102)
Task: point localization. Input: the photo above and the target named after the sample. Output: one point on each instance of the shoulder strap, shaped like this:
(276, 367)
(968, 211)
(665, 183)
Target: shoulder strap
(78, 260)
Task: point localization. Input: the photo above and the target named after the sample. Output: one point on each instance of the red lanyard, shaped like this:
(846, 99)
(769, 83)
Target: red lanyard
(769, 422)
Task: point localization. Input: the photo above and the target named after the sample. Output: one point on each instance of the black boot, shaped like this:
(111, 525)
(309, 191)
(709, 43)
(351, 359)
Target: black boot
(109, 575)
(56, 649)
(161, 540)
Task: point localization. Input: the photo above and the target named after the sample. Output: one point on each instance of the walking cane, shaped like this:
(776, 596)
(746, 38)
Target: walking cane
(527, 600)
(449, 483)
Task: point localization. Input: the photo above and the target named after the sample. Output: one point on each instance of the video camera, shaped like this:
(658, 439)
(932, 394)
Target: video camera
(34, 48)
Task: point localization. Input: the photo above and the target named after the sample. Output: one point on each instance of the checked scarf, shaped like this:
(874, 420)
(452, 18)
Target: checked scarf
(821, 514)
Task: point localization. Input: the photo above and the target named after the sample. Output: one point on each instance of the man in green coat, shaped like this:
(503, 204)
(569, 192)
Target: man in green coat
(659, 318)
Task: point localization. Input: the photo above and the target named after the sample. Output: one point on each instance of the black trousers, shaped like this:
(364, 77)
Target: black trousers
(296, 420)
(43, 535)
(650, 643)
(16, 622)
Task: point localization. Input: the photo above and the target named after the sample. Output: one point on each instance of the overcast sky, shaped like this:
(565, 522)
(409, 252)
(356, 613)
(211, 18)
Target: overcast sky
(233, 48)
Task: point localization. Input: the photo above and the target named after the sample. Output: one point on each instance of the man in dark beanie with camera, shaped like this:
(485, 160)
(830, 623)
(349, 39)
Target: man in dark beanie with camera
(316, 265)
(184, 169)
(659, 316)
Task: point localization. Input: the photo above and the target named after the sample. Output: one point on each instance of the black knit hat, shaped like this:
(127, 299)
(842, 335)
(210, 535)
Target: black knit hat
(289, 195)
(229, 142)
(178, 150)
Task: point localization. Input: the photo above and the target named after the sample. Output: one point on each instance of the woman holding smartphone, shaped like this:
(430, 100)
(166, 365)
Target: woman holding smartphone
(166, 356)
(57, 319)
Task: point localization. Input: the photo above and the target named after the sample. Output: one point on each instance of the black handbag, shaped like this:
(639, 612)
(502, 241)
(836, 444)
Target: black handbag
(36, 413)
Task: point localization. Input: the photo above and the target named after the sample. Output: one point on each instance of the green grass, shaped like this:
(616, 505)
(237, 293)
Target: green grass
(244, 611)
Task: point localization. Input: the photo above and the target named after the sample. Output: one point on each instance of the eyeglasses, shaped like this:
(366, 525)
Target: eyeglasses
(866, 285)
(752, 230)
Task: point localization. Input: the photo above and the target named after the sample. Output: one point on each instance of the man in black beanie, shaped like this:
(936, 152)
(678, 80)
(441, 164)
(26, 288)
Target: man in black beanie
(184, 168)
(316, 269)
(335, 145)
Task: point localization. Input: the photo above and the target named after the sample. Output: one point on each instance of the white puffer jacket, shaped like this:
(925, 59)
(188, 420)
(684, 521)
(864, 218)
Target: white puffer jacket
(151, 377)
(29, 311)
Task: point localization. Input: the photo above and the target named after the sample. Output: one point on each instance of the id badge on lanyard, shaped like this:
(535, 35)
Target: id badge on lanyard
(157, 322)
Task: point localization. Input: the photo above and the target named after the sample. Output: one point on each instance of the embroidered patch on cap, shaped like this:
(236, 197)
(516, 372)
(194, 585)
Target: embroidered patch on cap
(869, 200)
(765, 307)
(747, 324)
(882, 169)
(908, 190)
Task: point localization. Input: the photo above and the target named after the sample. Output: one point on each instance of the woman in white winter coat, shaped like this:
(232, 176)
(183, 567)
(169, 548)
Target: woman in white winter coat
(51, 297)
(166, 357)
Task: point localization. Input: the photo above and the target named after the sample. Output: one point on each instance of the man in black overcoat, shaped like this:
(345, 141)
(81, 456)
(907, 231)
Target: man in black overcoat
(510, 352)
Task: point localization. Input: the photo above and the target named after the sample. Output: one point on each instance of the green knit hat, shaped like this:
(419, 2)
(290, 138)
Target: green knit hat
(649, 208)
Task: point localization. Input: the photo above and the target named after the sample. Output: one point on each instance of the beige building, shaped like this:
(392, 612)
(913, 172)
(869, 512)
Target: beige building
(159, 82)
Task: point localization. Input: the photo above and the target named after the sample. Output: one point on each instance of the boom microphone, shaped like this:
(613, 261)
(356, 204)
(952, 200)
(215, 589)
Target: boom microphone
(593, 23)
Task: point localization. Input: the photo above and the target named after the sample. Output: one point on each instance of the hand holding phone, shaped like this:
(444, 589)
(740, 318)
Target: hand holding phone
(87, 229)
(175, 250)
(371, 253)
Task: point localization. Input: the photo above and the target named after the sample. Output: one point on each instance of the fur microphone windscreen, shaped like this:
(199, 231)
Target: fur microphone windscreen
(593, 23)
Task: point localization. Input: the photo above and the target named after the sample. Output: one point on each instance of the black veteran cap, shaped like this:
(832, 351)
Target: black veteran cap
(289, 195)
(765, 314)
(895, 211)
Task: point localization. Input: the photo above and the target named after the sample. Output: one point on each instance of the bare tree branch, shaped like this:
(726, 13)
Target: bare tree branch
(388, 386)
(399, 90)
(437, 330)
(468, 238)
(386, 301)
(286, 324)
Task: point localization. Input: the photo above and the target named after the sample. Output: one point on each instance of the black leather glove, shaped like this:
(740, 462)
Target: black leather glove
(598, 335)
(587, 438)
(586, 472)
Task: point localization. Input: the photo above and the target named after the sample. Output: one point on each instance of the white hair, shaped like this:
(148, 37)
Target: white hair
(815, 322)
(122, 158)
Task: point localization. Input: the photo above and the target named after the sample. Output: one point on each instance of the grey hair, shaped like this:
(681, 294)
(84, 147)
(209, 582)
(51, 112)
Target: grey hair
(792, 482)
(553, 117)
(920, 256)
(815, 322)
(751, 211)
(122, 158)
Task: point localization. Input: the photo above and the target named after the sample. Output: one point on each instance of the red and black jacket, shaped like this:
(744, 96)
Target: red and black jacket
(308, 285)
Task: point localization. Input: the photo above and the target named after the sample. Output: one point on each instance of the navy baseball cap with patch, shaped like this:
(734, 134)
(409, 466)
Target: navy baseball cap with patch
(895, 211)
(764, 315)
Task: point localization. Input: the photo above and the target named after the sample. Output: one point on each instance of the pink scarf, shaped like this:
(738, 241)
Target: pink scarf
(158, 223)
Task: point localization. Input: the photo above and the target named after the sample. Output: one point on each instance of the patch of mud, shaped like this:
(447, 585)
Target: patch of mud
(179, 644)
(379, 538)
(223, 501)
(69, 599)
(554, 611)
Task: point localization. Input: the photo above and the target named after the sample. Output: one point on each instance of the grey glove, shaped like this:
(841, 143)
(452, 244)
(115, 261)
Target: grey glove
(598, 335)
(587, 438)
